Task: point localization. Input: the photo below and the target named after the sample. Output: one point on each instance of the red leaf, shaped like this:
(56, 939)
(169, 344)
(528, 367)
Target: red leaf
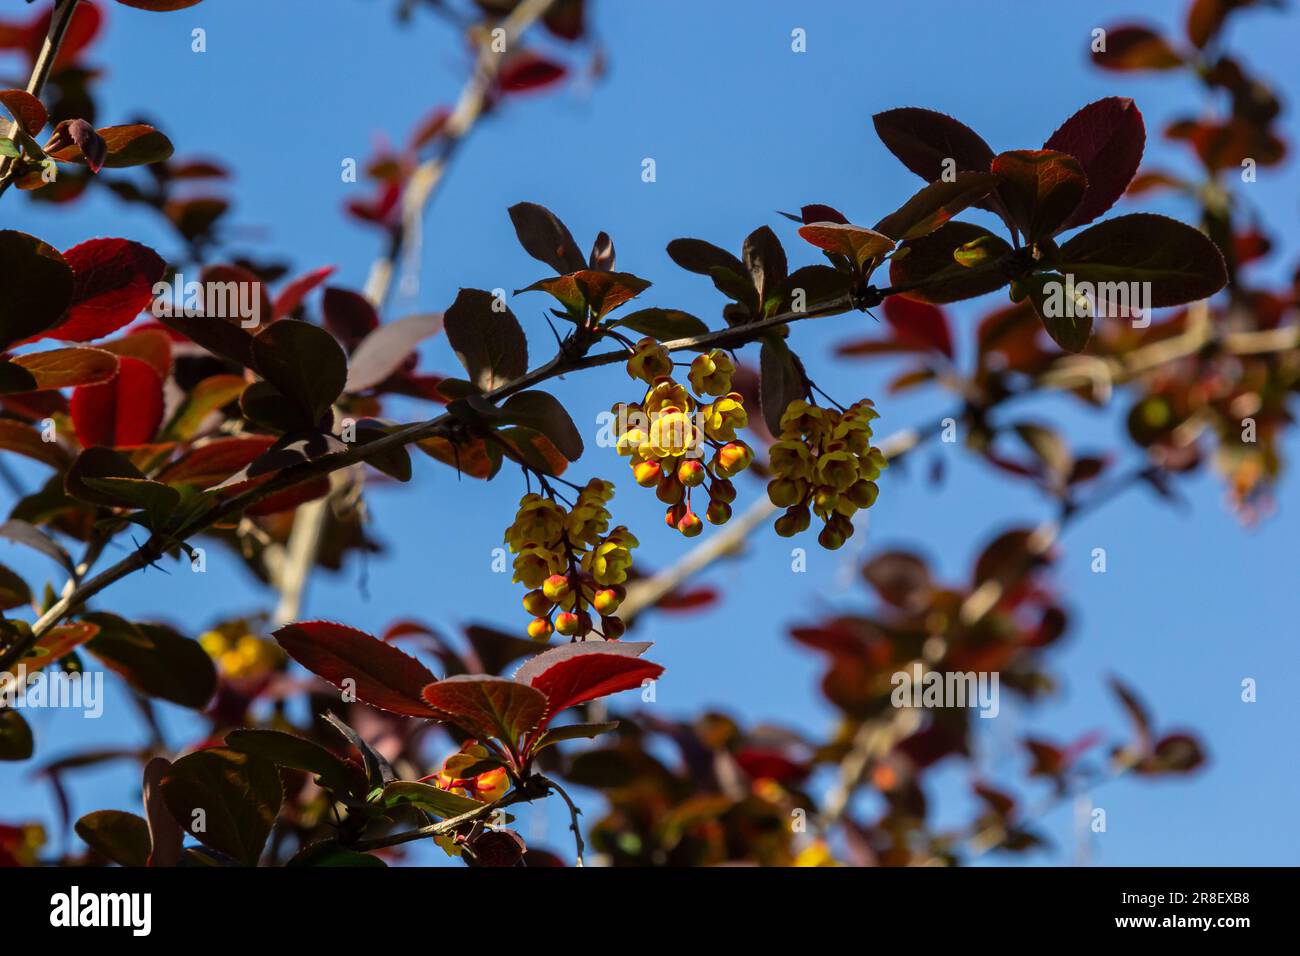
(488, 706)
(1135, 47)
(1041, 189)
(918, 324)
(25, 108)
(349, 315)
(1107, 138)
(290, 498)
(212, 463)
(293, 293)
(124, 411)
(575, 673)
(924, 140)
(384, 677)
(528, 71)
(113, 282)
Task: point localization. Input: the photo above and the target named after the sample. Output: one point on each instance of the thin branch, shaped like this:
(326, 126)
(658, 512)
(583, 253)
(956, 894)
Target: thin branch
(293, 567)
(60, 20)
(574, 813)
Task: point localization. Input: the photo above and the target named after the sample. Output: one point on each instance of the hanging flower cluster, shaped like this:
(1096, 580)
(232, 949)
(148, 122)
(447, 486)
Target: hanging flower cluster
(572, 564)
(824, 464)
(678, 441)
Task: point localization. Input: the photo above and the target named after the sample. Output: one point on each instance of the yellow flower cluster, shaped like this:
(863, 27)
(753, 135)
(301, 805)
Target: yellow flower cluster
(824, 464)
(571, 563)
(239, 653)
(668, 437)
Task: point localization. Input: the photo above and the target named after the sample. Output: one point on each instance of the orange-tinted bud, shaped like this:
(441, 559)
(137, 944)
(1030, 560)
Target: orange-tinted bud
(691, 472)
(569, 624)
(732, 458)
(646, 473)
(675, 514)
(537, 603)
(690, 524)
(557, 588)
(539, 629)
(607, 600)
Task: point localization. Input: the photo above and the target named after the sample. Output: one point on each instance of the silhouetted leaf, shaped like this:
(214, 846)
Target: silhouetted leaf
(489, 344)
(238, 794)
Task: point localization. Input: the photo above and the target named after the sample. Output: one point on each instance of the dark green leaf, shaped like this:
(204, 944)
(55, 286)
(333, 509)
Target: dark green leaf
(545, 238)
(780, 384)
(239, 796)
(543, 412)
(932, 260)
(154, 659)
(121, 837)
(304, 362)
(489, 343)
(15, 735)
(1179, 262)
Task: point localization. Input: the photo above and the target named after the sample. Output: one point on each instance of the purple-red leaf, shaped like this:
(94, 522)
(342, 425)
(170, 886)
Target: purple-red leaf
(382, 675)
(1041, 189)
(1107, 138)
(488, 706)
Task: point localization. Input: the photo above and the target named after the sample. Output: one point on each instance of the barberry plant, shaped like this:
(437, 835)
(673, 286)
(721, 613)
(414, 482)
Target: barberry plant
(184, 416)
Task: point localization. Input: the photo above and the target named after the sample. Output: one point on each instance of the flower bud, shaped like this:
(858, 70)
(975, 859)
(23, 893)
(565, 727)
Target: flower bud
(646, 473)
(537, 603)
(784, 492)
(864, 493)
(691, 472)
(613, 628)
(540, 629)
(794, 521)
(607, 600)
(690, 524)
(722, 490)
(718, 512)
(557, 588)
(670, 490)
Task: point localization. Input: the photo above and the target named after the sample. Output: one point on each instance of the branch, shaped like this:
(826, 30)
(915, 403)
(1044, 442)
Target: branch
(574, 813)
(60, 19)
(294, 566)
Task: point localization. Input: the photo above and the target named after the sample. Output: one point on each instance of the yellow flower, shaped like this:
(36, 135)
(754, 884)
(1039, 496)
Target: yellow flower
(790, 458)
(533, 565)
(711, 374)
(838, 469)
(672, 433)
(723, 417)
(587, 523)
(649, 361)
(538, 519)
(801, 418)
(630, 443)
(666, 393)
(609, 561)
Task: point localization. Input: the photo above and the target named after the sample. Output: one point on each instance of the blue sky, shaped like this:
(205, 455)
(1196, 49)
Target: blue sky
(738, 126)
